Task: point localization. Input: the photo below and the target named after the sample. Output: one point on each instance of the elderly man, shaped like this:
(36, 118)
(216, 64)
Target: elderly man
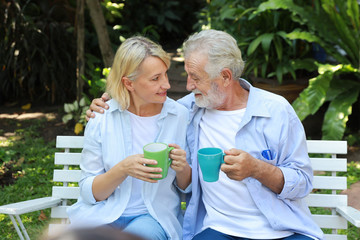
(267, 172)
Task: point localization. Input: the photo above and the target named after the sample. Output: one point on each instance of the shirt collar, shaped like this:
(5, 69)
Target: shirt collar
(256, 105)
(168, 107)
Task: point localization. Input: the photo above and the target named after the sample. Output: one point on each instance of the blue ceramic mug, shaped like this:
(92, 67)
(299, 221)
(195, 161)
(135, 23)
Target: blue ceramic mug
(210, 160)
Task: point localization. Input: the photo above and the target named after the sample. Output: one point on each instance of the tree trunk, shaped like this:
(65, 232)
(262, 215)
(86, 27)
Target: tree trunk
(98, 20)
(80, 56)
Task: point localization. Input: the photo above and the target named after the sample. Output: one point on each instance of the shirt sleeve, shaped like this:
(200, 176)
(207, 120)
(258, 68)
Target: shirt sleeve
(294, 162)
(91, 159)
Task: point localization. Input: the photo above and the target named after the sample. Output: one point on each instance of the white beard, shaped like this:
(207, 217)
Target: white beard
(212, 100)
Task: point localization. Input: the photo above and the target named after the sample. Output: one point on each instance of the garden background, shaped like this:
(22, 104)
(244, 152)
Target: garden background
(55, 56)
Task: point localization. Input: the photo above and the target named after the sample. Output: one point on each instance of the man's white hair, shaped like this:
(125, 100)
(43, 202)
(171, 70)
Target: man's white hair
(221, 49)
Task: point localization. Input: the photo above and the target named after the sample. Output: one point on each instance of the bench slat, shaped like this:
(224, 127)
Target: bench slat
(326, 200)
(327, 146)
(67, 158)
(335, 237)
(29, 205)
(69, 141)
(66, 192)
(330, 221)
(329, 164)
(66, 175)
(328, 182)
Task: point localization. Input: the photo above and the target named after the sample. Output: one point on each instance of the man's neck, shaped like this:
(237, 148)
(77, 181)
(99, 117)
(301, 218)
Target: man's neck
(236, 98)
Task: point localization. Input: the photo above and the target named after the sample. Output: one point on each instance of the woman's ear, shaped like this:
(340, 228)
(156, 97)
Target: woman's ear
(127, 83)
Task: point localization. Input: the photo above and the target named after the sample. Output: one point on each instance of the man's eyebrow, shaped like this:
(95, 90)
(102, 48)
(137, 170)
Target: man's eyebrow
(193, 75)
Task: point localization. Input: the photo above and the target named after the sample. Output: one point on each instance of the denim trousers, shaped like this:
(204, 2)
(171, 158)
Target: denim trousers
(143, 225)
(213, 234)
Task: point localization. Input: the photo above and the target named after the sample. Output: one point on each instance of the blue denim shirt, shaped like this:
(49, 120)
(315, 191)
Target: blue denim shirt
(269, 123)
(108, 140)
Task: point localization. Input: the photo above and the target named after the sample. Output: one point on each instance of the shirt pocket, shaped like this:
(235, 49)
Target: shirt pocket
(268, 155)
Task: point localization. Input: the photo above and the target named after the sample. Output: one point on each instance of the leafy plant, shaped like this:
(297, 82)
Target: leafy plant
(37, 51)
(76, 111)
(162, 21)
(95, 76)
(261, 37)
(335, 26)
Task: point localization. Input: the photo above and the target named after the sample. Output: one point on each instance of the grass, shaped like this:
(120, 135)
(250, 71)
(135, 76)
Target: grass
(31, 162)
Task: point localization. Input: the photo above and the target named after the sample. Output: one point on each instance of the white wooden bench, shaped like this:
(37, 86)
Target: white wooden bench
(338, 217)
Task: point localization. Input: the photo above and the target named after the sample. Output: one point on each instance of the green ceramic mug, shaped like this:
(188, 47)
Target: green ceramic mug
(210, 160)
(159, 152)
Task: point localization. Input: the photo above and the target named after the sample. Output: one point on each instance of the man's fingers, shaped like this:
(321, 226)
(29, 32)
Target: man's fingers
(225, 168)
(105, 97)
(233, 151)
(89, 114)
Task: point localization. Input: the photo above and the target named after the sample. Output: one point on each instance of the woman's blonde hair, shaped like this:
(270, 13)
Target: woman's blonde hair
(129, 56)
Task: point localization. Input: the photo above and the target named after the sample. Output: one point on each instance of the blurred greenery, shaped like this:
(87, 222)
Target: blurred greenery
(26, 169)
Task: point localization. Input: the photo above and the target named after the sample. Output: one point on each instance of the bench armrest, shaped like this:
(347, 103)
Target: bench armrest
(351, 214)
(29, 206)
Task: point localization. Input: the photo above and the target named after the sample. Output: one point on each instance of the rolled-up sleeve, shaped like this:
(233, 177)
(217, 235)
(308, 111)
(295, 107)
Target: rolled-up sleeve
(91, 159)
(295, 163)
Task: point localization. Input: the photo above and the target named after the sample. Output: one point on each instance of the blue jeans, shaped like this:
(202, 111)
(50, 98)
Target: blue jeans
(212, 234)
(143, 225)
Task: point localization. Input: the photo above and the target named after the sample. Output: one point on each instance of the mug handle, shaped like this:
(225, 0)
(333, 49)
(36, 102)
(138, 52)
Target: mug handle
(169, 150)
(222, 159)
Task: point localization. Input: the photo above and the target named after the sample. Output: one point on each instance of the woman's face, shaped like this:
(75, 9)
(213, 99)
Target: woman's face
(152, 82)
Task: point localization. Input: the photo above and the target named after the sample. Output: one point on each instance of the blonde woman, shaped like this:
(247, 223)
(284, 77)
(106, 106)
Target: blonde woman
(117, 187)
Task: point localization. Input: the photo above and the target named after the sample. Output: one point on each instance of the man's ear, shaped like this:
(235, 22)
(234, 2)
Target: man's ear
(127, 83)
(226, 75)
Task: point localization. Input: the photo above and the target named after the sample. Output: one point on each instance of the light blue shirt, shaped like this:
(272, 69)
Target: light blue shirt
(108, 140)
(270, 123)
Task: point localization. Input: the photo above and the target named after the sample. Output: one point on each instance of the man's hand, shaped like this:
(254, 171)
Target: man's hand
(97, 105)
(240, 165)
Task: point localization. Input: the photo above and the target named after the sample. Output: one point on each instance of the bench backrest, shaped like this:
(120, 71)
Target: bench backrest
(67, 179)
(327, 161)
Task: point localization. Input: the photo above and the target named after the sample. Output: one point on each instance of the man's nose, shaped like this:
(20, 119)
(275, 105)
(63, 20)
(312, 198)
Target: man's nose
(190, 85)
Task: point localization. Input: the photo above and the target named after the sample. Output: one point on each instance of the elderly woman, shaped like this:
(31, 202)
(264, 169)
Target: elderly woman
(117, 187)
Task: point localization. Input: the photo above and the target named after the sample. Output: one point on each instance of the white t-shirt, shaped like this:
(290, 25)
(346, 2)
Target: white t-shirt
(229, 205)
(144, 130)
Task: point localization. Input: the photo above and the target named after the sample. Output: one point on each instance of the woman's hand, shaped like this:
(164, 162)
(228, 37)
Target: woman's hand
(180, 166)
(135, 166)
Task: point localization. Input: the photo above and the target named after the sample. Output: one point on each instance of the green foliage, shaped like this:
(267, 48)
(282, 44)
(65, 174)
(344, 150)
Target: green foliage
(76, 111)
(262, 37)
(95, 76)
(353, 139)
(31, 161)
(334, 25)
(37, 51)
(161, 21)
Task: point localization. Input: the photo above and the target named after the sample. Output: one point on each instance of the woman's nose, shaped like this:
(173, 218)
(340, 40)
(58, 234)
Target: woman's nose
(165, 83)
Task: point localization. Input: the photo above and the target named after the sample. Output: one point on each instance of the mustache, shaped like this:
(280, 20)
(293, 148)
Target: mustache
(197, 92)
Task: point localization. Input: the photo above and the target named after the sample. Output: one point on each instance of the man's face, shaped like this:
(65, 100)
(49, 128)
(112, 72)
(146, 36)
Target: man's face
(207, 91)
